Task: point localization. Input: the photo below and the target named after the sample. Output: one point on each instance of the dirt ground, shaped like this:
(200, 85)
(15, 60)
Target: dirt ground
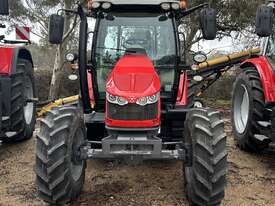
(251, 180)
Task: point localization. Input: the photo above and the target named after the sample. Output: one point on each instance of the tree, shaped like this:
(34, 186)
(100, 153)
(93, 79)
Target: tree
(236, 19)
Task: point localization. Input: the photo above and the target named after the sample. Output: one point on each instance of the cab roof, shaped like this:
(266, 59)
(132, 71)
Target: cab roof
(138, 2)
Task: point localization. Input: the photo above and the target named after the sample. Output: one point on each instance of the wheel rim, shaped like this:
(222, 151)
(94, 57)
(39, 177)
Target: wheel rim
(29, 106)
(198, 104)
(77, 165)
(241, 109)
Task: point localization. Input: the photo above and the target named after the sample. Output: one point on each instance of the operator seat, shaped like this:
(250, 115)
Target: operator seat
(138, 43)
(132, 51)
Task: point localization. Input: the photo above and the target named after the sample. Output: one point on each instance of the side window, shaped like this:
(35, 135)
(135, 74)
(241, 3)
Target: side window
(270, 52)
(91, 27)
(109, 49)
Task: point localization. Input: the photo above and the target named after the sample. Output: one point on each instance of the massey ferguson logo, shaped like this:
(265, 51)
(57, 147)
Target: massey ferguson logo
(132, 99)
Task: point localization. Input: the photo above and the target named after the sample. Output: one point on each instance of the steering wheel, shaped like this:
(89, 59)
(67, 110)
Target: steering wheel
(136, 41)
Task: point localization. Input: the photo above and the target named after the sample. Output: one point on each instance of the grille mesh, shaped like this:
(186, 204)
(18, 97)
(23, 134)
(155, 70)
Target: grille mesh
(132, 112)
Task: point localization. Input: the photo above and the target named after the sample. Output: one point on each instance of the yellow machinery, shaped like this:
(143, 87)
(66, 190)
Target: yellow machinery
(59, 102)
(229, 58)
(210, 71)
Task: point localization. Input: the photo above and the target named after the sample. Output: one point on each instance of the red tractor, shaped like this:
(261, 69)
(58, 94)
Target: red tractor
(134, 101)
(253, 112)
(17, 109)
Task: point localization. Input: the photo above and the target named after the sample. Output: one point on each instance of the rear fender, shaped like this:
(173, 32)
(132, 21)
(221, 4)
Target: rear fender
(9, 58)
(267, 75)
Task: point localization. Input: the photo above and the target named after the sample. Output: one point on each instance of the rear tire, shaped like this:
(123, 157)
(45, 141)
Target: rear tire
(59, 173)
(205, 177)
(0, 109)
(23, 115)
(248, 105)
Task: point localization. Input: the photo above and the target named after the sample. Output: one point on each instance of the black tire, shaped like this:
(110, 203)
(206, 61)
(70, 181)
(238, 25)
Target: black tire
(191, 94)
(59, 173)
(22, 82)
(0, 109)
(249, 80)
(205, 176)
(273, 124)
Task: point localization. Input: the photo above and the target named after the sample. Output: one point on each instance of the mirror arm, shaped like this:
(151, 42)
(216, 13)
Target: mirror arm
(191, 10)
(67, 11)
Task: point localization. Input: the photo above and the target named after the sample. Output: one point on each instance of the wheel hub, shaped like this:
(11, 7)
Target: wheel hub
(77, 165)
(241, 109)
(29, 106)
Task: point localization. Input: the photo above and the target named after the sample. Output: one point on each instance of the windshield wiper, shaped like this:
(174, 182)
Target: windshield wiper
(131, 51)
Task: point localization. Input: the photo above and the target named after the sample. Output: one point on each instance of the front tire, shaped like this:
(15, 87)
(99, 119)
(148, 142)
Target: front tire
(59, 173)
(248, 105)
(205, 176)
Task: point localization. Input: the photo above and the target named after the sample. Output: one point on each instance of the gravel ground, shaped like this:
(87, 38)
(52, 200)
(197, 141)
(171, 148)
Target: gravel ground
(251, 179)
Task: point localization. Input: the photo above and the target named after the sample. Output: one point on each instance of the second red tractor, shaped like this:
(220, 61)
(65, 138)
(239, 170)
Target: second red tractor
(17, 107)
(253, 112)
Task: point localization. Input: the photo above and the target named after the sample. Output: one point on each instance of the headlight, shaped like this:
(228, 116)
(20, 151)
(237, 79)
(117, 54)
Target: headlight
(116, 100)
(95, 5)
(70, 57)
(153, 99)
(175, 6)
(121, 101)
(106, 5)
(165, 6)
(142, 101)
(148, 100)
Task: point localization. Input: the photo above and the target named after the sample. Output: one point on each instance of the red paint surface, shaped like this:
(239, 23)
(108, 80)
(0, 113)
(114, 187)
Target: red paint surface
(90, 87)
(182, 98)
(6, 57)
(267, 76)
(133, 77)
(132, 124)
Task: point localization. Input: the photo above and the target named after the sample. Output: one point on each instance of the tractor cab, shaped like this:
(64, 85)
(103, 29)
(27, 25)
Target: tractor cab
(135, 29)
(136, 33)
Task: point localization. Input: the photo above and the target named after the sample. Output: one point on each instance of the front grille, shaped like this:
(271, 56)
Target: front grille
(132, 112)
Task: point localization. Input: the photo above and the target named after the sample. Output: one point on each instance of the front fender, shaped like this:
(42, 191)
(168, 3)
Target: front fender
(9, 57)
(266, 73)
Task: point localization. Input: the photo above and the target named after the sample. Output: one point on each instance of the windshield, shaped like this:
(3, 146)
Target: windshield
(146, 33)
(149, 34)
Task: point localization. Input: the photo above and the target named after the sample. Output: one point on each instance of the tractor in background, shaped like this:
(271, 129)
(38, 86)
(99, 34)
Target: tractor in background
(134, 101)
(253, 104)
(17, 107)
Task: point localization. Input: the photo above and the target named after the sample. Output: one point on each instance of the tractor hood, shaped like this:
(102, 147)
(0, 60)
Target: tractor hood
(133, 76)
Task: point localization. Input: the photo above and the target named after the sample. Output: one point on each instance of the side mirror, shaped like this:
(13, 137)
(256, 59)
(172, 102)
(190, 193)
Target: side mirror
(56, 29)
(4, 7)
(208, 23)
(264, 21)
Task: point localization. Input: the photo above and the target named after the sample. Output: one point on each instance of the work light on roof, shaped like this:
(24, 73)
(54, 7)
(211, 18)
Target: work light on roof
(175, 6)
(106, 5)
(95, 5)
(165, 6)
